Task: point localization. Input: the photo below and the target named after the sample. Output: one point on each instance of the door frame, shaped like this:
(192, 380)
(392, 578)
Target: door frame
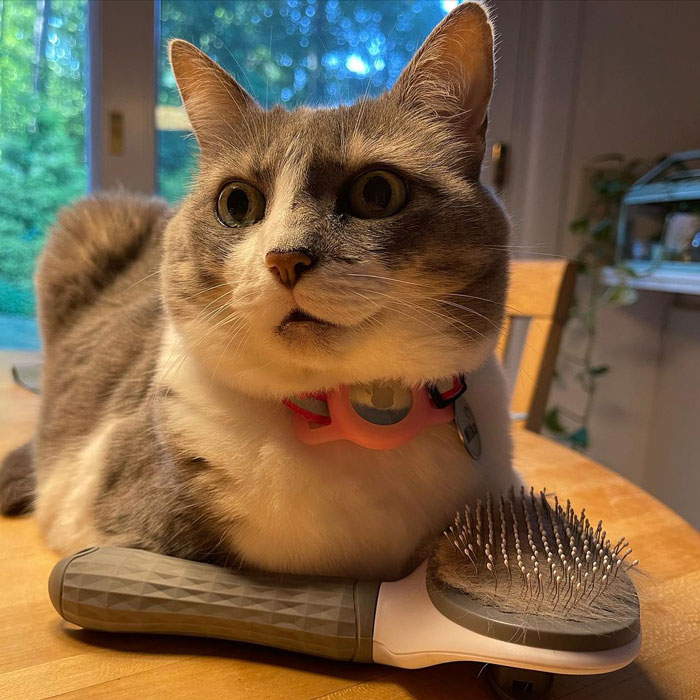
(123, 40)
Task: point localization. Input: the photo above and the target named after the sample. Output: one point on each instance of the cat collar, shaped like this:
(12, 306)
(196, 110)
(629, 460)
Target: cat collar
(379, 415)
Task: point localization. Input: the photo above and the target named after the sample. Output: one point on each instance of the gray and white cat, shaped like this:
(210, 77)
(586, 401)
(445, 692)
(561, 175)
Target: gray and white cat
(171, 338)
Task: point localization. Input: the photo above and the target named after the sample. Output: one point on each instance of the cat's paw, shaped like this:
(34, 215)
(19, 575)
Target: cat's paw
(17, 481)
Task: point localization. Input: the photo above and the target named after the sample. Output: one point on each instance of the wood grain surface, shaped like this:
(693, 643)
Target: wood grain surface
(42, 657)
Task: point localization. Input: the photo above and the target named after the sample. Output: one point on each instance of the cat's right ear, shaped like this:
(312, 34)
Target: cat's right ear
(212, 98)
(451, 76)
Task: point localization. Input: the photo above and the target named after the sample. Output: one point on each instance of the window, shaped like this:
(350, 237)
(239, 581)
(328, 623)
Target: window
(315, 52)
(43, 165)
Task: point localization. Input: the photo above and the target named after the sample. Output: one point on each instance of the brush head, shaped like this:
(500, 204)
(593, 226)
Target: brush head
(523, 569)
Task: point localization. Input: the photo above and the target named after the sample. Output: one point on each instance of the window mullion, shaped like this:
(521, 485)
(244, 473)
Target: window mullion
(122, 95)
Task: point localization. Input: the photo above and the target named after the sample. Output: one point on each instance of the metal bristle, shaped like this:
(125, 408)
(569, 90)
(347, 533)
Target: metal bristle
(547, 554)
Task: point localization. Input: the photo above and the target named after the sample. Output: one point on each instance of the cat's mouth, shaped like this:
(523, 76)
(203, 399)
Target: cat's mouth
(299, 318)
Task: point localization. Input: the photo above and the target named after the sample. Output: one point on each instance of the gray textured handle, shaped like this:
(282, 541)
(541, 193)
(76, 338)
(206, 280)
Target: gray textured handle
(117, 589)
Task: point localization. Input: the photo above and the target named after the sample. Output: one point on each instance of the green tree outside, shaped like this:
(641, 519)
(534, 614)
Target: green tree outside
(290, 52)
(42, 132)
(314, 52)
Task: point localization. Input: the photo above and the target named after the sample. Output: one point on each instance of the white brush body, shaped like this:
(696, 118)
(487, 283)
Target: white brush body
(409, 632)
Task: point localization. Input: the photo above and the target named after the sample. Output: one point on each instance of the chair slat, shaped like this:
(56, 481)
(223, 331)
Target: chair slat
(541, 291)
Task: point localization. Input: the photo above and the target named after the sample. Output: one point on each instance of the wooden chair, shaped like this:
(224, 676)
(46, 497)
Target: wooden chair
(539, 299)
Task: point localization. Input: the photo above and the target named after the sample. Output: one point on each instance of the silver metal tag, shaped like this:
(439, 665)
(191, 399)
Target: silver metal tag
(467, 428)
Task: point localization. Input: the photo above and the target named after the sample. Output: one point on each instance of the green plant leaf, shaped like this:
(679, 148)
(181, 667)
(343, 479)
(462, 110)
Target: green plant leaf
(579, 438)
(627, 270)
(579, 225)
(602, 230)
(621, 295)
(552, 422)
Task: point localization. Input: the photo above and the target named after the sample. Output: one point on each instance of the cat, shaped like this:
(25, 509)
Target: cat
(316, 248)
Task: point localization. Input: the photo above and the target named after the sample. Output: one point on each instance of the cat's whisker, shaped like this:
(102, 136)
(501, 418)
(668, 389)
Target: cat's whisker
(419, 320)
(428, 286)
(198, 322)
(363, 103)
(546, 255)
(445, 317)
(209, 318)
(213, 301)
(488, 301)
(208, 289)
(210, 315)
(514, 246)
(243, 342)
(232, 334)
(240, 67)
(143, 279)
(471, 311)
(373, 319)
(234, 314)
(174, 366)
(454, 323)
(242, 372)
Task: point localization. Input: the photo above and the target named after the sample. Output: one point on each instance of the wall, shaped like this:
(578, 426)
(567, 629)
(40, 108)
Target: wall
(672, 467)
(638, 88)
(594, 77)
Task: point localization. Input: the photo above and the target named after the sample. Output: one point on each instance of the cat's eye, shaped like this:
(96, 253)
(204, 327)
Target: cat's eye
(376, 194)
(239, 204)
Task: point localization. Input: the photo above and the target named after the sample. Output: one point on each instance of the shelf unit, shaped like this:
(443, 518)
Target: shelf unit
(663, 279)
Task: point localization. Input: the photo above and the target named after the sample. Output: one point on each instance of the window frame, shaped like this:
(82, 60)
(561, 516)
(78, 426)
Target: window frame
(123, 44)
(131, 30)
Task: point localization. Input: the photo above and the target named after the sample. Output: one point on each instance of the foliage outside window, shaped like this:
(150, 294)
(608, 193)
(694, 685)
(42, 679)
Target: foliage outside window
(289, 52)
(42, 142)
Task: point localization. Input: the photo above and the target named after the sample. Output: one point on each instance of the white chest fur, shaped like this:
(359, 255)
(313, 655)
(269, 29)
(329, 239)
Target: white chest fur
(336, 508)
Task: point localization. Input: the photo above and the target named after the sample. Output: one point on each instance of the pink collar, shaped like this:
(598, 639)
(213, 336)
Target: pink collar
(379, 416)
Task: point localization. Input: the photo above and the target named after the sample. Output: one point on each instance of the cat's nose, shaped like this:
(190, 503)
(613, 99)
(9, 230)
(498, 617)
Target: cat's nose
(289, 265)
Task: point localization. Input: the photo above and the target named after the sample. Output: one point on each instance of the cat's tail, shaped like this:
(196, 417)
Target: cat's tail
(17, 481)
(92, 245)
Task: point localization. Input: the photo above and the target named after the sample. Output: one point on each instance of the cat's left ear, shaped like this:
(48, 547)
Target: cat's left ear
(451, 76)
(214, 101)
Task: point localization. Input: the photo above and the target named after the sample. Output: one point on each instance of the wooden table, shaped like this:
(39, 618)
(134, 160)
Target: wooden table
(40, 657)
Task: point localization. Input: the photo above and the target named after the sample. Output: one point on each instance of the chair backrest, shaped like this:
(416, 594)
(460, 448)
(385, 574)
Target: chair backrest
(539, 300)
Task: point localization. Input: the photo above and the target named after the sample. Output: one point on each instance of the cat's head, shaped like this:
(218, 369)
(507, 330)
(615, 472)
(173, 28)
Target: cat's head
(320, 247)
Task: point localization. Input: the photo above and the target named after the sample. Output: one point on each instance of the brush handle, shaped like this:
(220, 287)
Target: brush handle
(117, 589)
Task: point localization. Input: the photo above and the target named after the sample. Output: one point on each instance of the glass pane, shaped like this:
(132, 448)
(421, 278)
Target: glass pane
(313, 52)
(43, 91)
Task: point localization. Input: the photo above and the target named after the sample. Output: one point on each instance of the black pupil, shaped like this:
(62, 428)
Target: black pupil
(237, 204)
(377, 193)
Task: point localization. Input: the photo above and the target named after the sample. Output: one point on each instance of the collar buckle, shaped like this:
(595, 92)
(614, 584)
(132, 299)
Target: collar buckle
(446, 398)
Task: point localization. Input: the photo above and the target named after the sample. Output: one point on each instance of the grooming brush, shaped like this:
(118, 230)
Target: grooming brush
(517, 581)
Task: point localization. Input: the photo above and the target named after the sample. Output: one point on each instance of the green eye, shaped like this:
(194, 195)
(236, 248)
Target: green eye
(239, 204)
(377, 194)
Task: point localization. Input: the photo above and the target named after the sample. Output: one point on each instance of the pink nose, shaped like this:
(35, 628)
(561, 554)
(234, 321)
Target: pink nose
(288, 265)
